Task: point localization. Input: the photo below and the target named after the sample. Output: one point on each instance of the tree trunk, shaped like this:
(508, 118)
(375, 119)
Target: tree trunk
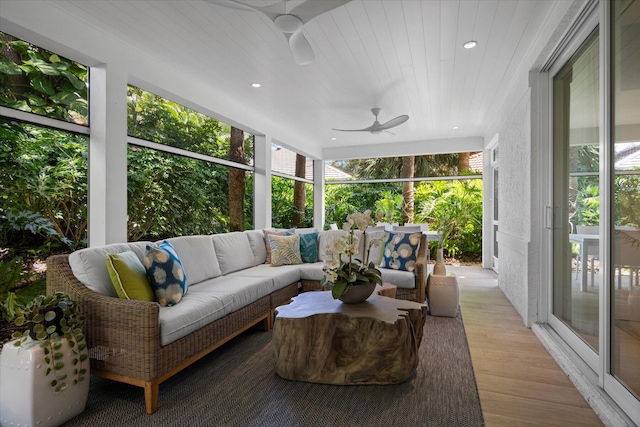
(236, 181)
(408, 171)
(463, 162)
(298, 191)
(17, 84)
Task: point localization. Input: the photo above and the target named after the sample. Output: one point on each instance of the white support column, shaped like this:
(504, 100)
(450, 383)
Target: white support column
(318, 194)
(262, 182)
(108, 156)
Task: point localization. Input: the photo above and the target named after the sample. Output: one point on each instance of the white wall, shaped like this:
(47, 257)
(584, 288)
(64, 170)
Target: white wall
(522, 174)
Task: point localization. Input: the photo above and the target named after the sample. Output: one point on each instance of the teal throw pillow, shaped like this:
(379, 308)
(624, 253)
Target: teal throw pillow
(401, 251)
(165, 273)
(309, 247)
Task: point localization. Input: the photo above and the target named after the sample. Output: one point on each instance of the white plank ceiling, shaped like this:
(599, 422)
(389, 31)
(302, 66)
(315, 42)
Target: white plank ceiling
(405, 56)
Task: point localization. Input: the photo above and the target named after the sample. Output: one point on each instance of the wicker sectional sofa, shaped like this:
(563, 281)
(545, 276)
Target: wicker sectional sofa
(230, 289)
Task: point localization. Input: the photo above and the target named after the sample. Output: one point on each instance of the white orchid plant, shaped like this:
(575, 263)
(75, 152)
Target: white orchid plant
(341, 275)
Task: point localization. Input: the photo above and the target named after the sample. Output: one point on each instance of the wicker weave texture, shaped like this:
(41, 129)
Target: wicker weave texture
(123, 336)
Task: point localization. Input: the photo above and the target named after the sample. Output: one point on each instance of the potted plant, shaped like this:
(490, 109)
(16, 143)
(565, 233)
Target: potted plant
(45, 368)
(351, 280)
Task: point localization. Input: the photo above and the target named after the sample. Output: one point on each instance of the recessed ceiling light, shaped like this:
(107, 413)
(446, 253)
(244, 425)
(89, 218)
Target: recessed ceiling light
(470, 44)
(255, 84)
(333, 138)
(455, 127)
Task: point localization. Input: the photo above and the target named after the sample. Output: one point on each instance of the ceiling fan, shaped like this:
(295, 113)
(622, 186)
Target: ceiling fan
(289, 16)
(377, 127)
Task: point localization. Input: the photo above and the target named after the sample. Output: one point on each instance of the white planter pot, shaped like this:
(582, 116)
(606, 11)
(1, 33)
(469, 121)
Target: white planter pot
(26, 395)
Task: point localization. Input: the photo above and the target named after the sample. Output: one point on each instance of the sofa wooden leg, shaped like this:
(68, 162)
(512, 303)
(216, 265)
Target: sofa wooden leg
(268, 322)
(151, 391)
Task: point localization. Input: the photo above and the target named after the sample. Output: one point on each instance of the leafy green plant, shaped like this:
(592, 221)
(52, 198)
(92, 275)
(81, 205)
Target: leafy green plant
(389, 207)
(50, 319)
(455, 209)
(16, 287)
(38, 81)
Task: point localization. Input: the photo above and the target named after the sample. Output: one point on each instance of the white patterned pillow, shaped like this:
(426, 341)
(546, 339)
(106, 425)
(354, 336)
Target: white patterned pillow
(285, 250)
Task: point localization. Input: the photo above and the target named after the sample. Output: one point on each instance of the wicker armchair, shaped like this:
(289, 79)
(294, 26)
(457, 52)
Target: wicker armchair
(123, 336)
(417, 294)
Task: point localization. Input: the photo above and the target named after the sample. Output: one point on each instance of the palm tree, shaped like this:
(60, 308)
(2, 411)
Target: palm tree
(298, 191)
(408, 171)
(236, 181)
(405, 167)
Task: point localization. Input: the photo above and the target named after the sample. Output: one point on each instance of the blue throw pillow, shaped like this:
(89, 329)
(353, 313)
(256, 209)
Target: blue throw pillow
(309, 247)
(401, 251)
(165, 273)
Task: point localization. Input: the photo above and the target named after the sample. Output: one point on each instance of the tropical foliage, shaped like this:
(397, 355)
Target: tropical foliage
(40, 82)
(43, 188)
(282, 203)
(455, 209)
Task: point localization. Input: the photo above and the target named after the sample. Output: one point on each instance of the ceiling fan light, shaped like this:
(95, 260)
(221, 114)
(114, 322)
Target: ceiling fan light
(376, 132)
(470, 44)
(288, 23)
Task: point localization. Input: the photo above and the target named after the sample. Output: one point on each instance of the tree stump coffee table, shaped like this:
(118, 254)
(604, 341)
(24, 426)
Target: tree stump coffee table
(321, 340)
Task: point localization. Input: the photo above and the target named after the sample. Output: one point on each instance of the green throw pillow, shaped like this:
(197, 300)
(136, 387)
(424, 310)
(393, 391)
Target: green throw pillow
(129, 277)
(285, 250)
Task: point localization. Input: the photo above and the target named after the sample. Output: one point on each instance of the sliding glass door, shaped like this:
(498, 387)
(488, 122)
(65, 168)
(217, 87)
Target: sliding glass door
(576, 235)
(625, 214)
(595, 190)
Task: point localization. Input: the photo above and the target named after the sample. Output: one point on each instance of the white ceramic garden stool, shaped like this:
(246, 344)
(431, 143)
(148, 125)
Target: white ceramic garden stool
(26, 395)
(443, 295)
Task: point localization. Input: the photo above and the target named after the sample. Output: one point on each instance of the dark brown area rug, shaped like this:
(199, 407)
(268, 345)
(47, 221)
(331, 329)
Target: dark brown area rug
(236, 385)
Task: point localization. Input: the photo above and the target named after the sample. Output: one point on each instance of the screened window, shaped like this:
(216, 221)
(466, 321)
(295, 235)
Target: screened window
(187, 173)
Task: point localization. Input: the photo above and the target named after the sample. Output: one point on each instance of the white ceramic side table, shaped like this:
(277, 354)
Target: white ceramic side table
(443, 295)
(26, 396)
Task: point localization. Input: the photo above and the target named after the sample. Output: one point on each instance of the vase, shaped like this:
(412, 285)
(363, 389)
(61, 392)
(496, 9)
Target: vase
(357, 293)
(439, 269)
(26, 395)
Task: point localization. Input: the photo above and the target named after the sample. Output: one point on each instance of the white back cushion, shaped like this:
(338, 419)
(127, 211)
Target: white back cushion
(233, 251)
(256, 240)
(90, 265)
(198, 257)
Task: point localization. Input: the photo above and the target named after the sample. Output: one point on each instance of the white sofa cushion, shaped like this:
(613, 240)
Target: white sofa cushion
(400, 278)
(90, 265)
(280, 276)
(256, 240)
(311, 271)
(233, 251)
(200, 306)
(198, 257)
(244, 290)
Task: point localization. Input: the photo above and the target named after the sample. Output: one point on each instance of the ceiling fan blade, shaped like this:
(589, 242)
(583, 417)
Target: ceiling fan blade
(394, 122)
(231, 4)
(367, 129)
(312, 8)
(300, 48)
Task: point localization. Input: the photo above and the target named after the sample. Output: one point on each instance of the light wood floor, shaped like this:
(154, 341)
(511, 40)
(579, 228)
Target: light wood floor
(518, 381)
